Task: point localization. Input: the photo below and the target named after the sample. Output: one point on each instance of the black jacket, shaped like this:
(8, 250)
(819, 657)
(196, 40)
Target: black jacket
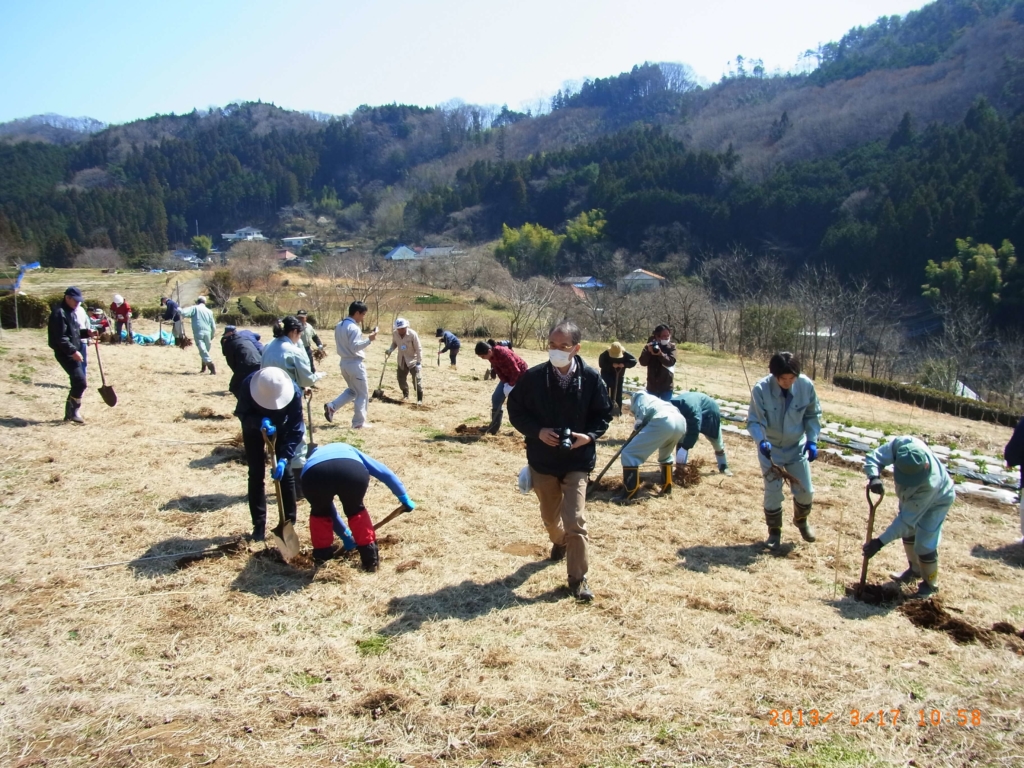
(242, 356)
(64, 335)
(659, 367)
(538, 402)
(607, 364)
(288, 420)
(1014, 451)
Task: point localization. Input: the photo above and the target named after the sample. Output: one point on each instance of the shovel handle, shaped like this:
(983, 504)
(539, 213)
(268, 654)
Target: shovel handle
(597, 480)
(402, 509)
(872, 506)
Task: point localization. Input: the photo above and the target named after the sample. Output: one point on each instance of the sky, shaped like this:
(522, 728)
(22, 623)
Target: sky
(121, 60)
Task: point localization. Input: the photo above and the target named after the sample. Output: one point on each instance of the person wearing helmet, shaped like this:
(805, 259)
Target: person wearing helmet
(269, 400)
(410, 357)
(308, 337)
(285, 352)
(122, 314)
(204, 328)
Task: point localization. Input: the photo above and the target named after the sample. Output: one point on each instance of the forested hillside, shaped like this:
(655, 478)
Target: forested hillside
(905, 137)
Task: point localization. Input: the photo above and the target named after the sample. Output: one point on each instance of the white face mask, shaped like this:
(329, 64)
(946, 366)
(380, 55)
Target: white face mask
(558, 358)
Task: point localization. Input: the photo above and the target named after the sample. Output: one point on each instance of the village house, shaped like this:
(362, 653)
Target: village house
(245, 233)
(640, 280)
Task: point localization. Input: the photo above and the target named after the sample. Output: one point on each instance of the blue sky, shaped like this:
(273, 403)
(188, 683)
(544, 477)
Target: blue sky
(118, 61)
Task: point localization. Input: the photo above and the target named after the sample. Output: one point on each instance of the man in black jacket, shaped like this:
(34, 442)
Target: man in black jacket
(243, 352)
(562, 407)
(65, 339)
(1014, 456)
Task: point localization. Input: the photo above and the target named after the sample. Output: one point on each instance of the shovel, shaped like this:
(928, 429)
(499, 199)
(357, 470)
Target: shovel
(311, 446)
(402, 510)
(379, 391)
(872, 506)
(438, 357)
(591, 485)
(107, 393)
(285, 539)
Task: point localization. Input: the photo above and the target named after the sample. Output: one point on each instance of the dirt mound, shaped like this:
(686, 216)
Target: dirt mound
(466, 430)
(875, 594)
(378, 395)
(302, 561)
(929, 614)
(205, 413)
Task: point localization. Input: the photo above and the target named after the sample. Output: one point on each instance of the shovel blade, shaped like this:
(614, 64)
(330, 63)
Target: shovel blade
(285, 540)
(378, 393)
(109, 396)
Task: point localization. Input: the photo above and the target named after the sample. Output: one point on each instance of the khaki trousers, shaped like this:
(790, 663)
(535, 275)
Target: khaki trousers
(562, 505)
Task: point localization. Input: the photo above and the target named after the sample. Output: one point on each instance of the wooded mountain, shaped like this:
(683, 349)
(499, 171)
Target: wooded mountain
(906, 136)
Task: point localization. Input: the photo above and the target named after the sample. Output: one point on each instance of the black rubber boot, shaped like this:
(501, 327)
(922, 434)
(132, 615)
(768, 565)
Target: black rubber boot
(666, 478)
(203, 369)
(800, 514)
(297, 475)
(581, 590)
(419, 395)
(773, 518)
(212, 369)
(495, 425)
(72, 411)
(630, 484)
(259, 531)
(323, 554)
(369, 557)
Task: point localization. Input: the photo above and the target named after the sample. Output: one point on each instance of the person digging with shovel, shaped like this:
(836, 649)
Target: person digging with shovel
(269, 398)
(561, 407)
(702, 418)
(65, 339)
(613, 363)
(660, 427)
(286, 352)
(508, 367)
(410, 358)
(341, 470)
(925, 492)
(784, 420)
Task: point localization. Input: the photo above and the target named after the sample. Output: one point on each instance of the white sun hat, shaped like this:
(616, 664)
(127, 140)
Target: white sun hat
(271, 388)
(401, 323)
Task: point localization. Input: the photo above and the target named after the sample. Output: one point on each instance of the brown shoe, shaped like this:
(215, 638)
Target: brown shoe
(581, 590)
(557, 552)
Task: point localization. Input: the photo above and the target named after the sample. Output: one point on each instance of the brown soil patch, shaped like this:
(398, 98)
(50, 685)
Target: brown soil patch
(379, 395)
(524, 549)
(875, 594)
(464, 429)
(205, 413)
(689, 475)
(929, 614)
(379, 703)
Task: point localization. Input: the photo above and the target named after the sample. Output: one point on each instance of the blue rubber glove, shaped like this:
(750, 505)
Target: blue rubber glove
(408, 503)
(278, 471)
(811, 449)
(342, 532)
(268, 426)
(765, 448)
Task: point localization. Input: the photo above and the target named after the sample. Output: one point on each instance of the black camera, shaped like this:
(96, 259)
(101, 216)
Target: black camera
(655, 346)
(565, 439)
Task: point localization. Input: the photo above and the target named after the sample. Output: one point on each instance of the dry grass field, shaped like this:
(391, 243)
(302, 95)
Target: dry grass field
(464, 649)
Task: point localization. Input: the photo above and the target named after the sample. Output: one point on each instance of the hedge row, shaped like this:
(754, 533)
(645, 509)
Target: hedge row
(928, 399)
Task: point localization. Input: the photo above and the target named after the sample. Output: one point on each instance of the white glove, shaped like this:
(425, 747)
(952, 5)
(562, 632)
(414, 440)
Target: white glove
(525, 480)
(681, 455)
(508, 388)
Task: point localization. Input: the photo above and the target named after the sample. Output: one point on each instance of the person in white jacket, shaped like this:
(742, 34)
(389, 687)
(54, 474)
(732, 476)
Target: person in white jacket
(926, 493)
(410, 358)
(351, 345)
